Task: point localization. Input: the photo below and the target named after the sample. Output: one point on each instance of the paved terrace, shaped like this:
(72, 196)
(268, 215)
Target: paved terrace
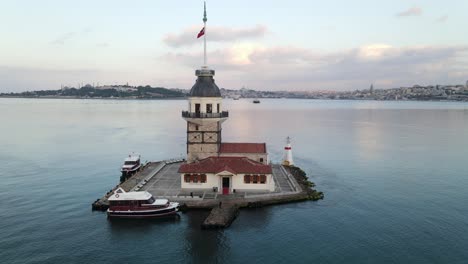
(163, 181)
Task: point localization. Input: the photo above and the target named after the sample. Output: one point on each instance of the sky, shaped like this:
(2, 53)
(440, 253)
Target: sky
(300, 45)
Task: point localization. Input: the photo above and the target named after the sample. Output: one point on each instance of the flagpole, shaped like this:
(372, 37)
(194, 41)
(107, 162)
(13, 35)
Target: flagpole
(204, 35)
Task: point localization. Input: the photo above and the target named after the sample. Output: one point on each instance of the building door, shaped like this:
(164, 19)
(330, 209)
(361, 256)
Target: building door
(225, 185)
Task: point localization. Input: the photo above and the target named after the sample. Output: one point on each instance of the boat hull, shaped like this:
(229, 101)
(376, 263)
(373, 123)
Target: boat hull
(132, 170)
(172, 210)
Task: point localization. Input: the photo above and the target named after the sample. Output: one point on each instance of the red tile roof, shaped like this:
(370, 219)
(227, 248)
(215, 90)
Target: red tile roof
(234, 165)
(242, 148)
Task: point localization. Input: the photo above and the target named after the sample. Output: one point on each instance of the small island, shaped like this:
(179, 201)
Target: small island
(216, 175)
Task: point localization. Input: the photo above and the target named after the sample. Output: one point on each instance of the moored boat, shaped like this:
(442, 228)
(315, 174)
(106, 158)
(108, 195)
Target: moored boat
(131, 165)
(124, 204)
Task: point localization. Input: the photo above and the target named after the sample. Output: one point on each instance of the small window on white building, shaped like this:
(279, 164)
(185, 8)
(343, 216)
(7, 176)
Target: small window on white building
(246, 178)
(217, 108)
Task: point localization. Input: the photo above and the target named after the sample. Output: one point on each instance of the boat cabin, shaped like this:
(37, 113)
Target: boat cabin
(121, 199)
(131, 162)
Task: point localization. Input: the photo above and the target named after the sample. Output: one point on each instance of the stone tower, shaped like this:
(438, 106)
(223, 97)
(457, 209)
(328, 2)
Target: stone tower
(204, 117)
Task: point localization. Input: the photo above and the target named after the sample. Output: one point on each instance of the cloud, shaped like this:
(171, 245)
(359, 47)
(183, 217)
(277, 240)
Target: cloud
(414, 11)
(218, 34)
(61, 39)
(102, 45)
(442, 19)
(293, 68)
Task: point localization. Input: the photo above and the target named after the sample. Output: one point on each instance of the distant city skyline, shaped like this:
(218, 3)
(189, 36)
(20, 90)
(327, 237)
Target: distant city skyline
(262, 45)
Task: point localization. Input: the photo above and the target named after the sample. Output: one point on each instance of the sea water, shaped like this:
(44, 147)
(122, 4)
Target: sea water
(394, 175)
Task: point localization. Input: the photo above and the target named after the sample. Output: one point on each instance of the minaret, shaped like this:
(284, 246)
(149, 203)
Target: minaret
(204, 116)
(288, 159)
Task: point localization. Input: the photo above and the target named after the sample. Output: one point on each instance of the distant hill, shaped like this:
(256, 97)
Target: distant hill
(140, 92)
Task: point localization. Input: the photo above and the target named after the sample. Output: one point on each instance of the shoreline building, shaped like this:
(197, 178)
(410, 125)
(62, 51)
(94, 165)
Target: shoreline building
(212, 164)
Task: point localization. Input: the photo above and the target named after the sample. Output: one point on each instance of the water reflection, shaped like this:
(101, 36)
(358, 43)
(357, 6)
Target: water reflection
(367, 136)
(253, 219)
(121, 226)
(204, 246)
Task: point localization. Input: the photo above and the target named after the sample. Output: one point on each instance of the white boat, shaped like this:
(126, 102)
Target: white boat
(124, 204)
(131, 164)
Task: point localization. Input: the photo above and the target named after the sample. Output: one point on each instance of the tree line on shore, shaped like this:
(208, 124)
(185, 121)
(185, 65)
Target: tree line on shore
(111, 92)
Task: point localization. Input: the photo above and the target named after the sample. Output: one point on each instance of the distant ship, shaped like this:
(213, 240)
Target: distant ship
(256, 101)
(236, 97)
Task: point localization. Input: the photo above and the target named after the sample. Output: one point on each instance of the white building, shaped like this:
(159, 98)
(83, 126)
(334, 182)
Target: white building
(227, 175)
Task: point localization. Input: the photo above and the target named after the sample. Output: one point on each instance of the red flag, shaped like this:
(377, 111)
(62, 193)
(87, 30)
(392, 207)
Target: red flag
(201, 33)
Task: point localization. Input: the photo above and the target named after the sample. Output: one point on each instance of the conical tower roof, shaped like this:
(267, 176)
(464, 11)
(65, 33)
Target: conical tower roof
(205, 85)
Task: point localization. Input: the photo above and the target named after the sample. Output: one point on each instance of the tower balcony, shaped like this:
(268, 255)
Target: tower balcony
(205, 118)
(187, 114)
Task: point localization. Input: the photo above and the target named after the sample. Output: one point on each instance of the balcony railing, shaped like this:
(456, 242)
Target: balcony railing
(204, 115)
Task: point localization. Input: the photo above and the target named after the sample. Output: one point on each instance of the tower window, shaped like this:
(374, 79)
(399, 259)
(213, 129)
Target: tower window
(217, 108)
(261, 159)
(197, 108)
(196, 127)
(209, 108)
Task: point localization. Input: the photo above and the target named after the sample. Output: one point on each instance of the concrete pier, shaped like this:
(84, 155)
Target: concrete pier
(135, 182)
(221, 216)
